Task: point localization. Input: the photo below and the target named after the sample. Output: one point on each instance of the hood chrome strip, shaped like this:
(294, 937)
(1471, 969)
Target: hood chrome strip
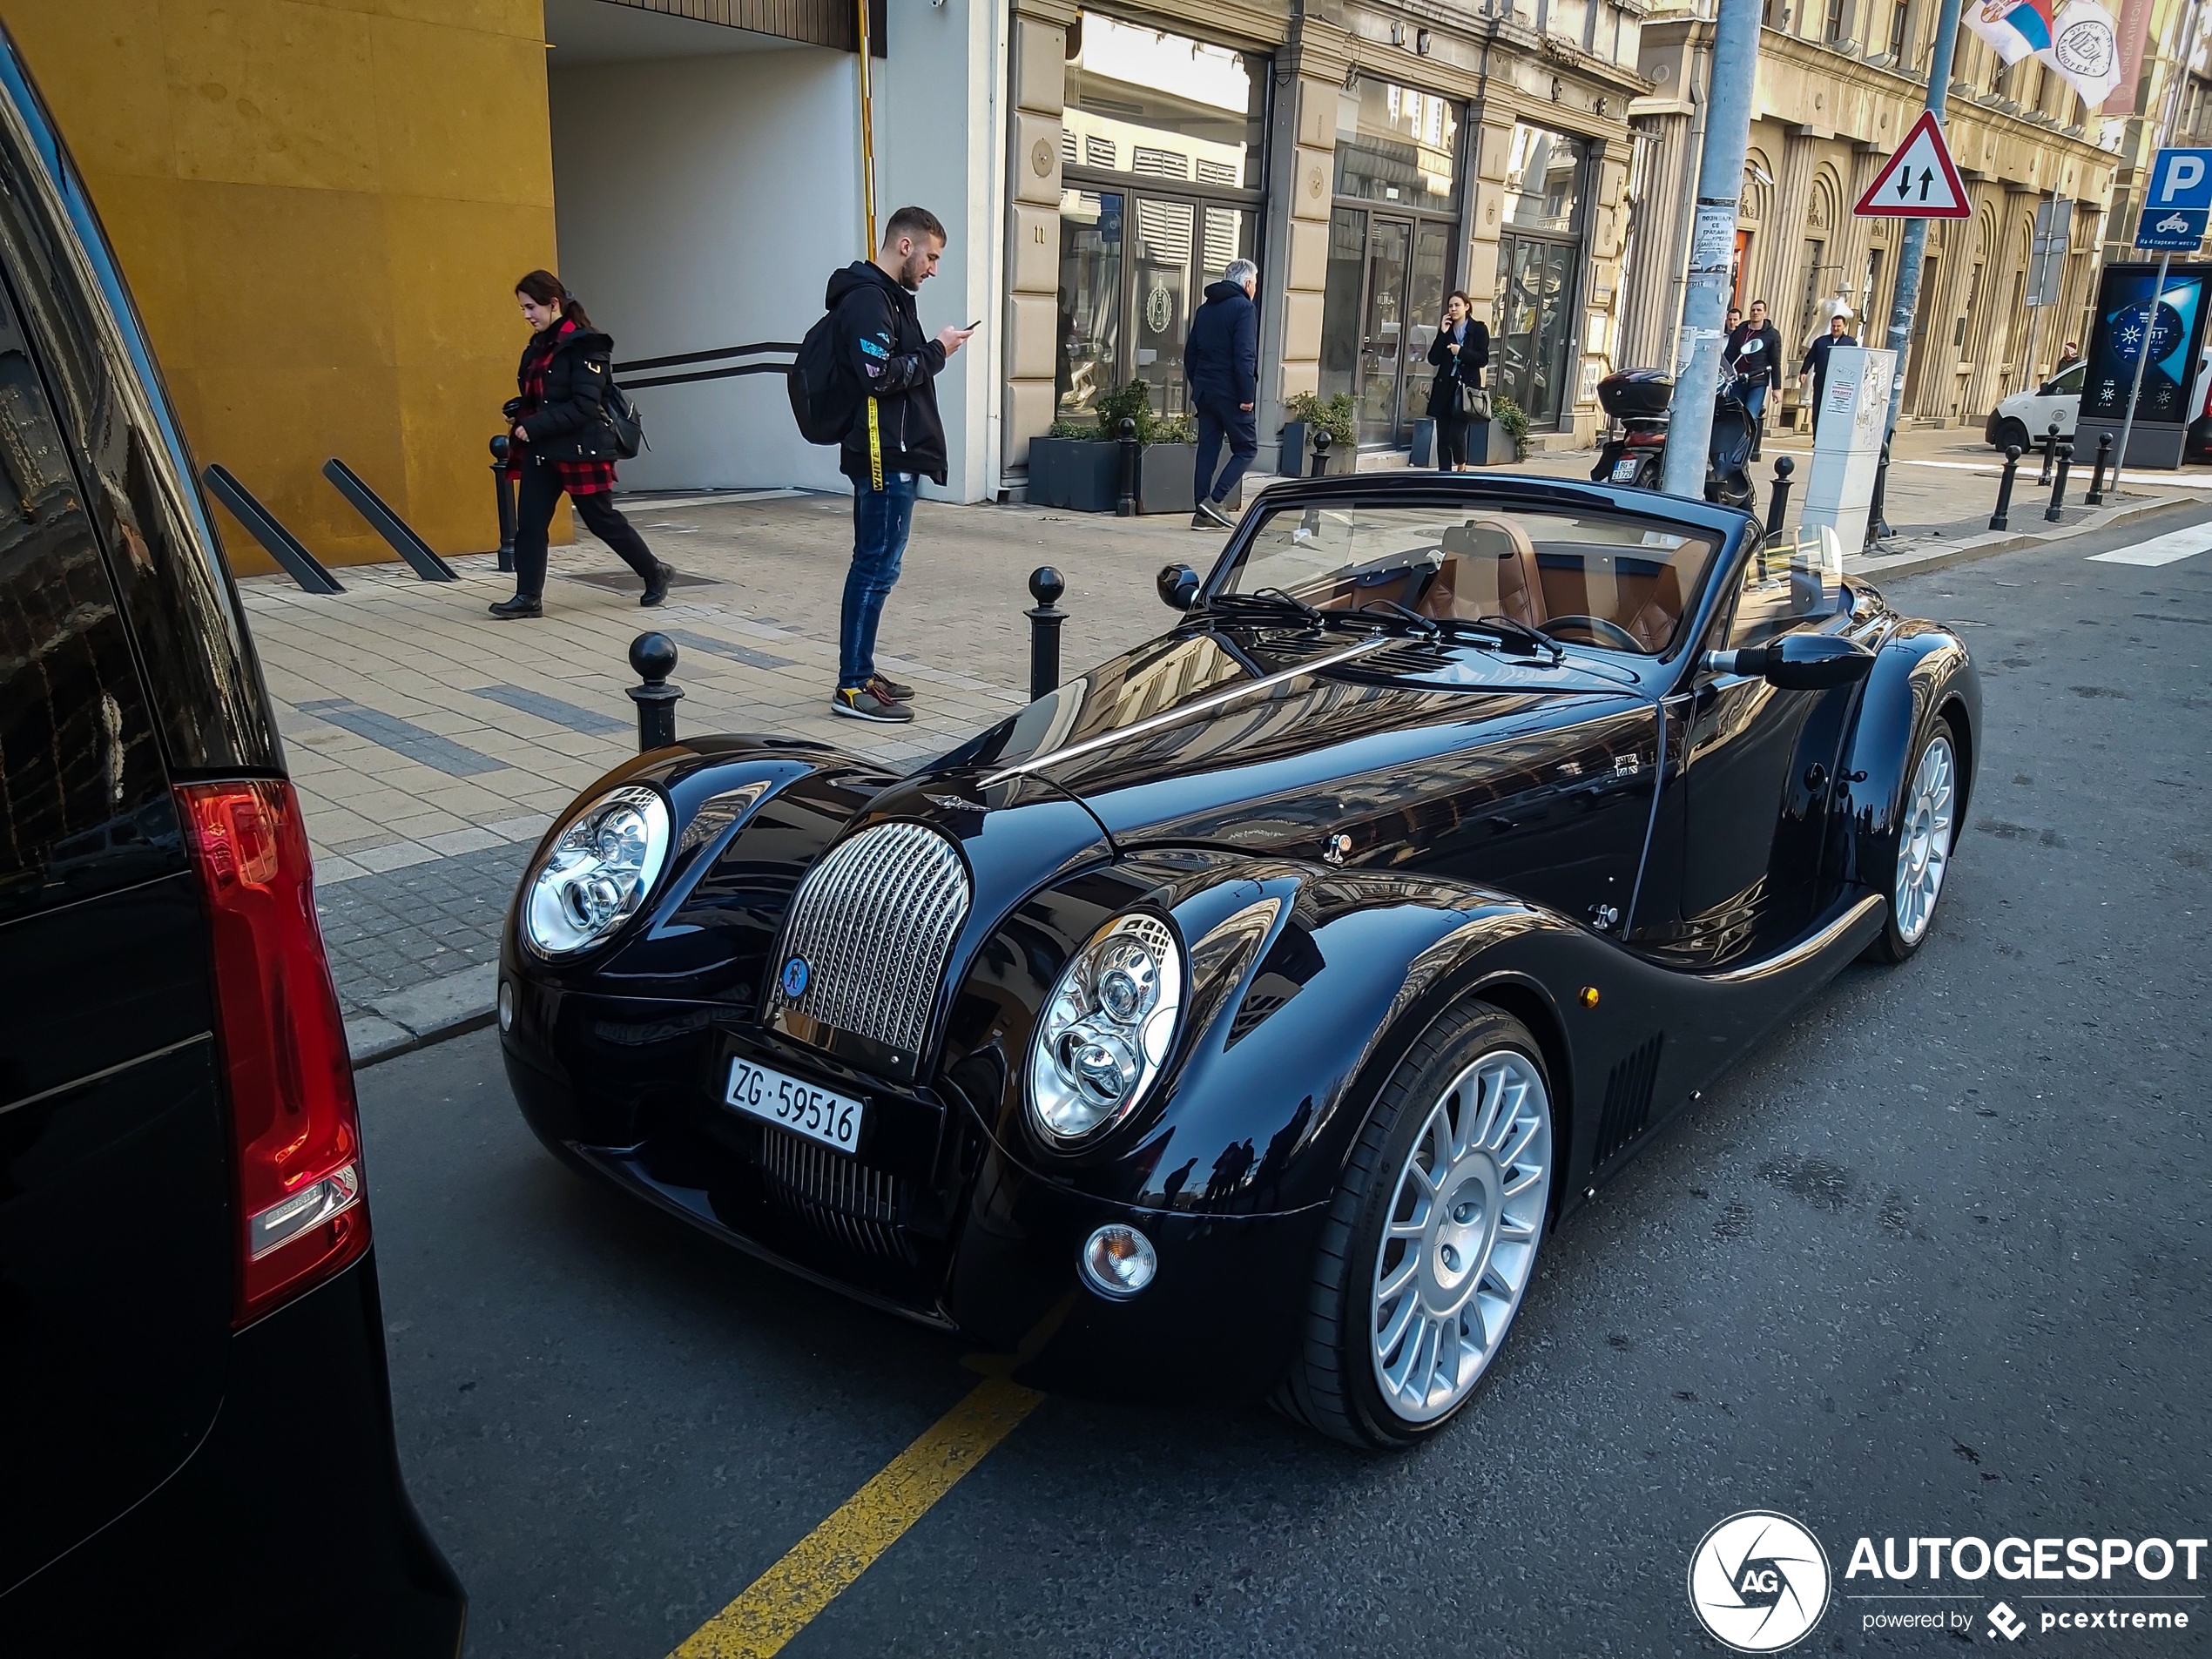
(1176, 716)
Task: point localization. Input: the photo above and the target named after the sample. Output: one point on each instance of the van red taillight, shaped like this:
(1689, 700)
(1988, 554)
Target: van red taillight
(295, 1129)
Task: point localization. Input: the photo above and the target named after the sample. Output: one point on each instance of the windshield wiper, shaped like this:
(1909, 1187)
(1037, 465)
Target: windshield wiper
(1503, 629)
(1420, 624)
(1265, 602)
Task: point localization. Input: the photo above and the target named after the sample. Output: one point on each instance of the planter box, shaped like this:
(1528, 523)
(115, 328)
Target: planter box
(1423, 453)
(1165, 478)
(1503, 452)
(1079, 474)
(1296, 463)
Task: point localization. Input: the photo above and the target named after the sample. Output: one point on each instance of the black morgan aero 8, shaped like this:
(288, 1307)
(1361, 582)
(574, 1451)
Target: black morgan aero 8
(1252, 1006)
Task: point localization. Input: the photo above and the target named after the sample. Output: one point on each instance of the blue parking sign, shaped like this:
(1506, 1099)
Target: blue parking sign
(2179, 178)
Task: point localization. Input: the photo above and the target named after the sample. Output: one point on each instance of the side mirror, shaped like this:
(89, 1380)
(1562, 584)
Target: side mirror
(1797, 661)
(1179, 585)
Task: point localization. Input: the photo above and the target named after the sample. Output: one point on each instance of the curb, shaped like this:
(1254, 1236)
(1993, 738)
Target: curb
(451, 1006)
(1991, 542)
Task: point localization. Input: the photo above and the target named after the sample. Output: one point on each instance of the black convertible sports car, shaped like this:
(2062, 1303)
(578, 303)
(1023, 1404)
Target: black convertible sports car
(1245, 1012)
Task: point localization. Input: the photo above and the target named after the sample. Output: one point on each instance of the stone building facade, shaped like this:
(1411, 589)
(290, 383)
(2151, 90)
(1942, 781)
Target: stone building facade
(1839, 84)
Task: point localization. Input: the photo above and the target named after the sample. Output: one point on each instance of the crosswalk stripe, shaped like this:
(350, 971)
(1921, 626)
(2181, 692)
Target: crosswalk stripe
(2170, 549)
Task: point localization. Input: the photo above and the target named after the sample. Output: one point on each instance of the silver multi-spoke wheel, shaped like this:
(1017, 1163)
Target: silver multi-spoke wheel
(1460, 1235)
(1924, 838)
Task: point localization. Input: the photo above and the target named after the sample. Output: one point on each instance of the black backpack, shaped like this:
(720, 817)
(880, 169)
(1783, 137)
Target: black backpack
(825, 398)
(624, 421)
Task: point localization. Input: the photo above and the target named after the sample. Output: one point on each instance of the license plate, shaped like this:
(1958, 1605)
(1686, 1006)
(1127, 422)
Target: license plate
(1624, 472)
(802, 1108)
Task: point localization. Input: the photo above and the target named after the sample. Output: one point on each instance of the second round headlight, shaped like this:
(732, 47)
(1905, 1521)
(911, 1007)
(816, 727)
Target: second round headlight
(1106, 1029)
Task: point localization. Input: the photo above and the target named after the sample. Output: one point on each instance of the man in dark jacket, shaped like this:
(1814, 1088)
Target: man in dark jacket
(1816, 362)
(896, 439)
(1754, 352)
(1221, 361)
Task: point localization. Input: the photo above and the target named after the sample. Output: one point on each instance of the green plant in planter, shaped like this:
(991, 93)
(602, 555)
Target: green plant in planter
(1510, 415)
(1173, 428)
(1334, 416)
(1064, 427)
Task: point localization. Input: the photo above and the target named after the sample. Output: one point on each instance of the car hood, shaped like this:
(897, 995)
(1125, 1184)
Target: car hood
(1260, 742)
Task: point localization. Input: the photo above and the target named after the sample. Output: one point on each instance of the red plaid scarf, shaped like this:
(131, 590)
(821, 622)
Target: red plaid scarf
(577, 477)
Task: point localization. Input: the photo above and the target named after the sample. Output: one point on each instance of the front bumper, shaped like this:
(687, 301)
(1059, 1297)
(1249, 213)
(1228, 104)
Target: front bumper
(930, 1221)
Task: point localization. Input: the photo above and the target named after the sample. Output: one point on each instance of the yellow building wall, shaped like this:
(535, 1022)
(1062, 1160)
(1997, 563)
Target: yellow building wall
(321, 209)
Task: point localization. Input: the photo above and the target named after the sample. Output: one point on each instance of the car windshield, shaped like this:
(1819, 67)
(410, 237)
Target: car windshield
(1619, 583)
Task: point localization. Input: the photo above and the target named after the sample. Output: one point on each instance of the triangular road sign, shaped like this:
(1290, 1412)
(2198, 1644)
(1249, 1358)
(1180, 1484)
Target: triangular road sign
(1918, 181)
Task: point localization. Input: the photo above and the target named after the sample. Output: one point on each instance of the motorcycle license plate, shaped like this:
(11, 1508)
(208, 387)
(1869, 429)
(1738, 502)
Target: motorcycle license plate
(1624, 472)
(802, 1108)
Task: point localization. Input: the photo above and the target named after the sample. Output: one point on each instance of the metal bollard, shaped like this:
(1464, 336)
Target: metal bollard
(1877, 526)
(2058, 483)
(1777, 505)
(503, 487)
(2096, 495)
(2050, 454)
(654, 657)
(1320, 452)
(1125, 502)
(1997, 520)
(1046, 585)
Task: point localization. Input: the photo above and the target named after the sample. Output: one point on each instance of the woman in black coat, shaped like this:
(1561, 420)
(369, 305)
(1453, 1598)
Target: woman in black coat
(1460, 352)
(561, 440)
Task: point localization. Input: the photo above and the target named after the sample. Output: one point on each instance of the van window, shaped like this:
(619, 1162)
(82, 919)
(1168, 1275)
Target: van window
(2065, 385)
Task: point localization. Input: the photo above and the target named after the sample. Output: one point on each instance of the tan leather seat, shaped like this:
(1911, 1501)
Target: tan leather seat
(1654, 625)
(1490, 570)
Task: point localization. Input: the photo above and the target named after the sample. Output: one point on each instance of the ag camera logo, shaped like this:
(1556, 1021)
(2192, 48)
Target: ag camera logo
(1758, 1581)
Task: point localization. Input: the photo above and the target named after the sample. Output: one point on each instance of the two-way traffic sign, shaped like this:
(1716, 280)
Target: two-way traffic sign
(1918, 181)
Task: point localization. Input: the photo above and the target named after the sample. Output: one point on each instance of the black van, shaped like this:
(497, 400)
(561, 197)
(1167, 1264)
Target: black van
(196, 1445)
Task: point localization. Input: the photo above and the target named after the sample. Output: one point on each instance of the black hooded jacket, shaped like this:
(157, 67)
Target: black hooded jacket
(571, 421)
(1220, 357)
(881, 342)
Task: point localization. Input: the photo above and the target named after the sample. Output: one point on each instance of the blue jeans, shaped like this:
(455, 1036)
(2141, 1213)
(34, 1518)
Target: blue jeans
(1755, 400)
(1219, 418)
(881, 520)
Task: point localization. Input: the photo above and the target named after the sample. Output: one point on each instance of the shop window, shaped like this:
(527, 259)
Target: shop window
(1395, 144)
(1141, 93)
(1544, 180)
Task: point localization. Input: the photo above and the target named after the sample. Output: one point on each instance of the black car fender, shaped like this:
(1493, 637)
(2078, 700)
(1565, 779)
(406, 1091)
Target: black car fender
(1922, 671)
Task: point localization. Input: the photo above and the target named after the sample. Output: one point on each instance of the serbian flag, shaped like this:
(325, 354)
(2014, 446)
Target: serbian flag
(2076, 39)
(2014, 29)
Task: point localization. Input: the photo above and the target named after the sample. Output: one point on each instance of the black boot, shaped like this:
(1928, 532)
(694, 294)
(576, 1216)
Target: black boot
(657, 590)
(522, 605)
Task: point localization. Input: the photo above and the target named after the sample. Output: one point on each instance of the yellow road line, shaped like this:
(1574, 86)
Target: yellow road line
(779, 1603)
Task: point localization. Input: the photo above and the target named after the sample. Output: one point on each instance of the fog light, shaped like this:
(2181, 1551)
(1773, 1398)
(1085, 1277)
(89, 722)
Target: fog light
(1119, 1261)
(506, 1005)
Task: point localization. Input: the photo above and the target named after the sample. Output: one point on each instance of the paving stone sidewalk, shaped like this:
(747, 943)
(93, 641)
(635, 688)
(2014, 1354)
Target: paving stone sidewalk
(431, 745)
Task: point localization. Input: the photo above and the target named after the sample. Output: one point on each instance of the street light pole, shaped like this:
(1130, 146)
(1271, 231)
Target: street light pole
(1712, 242)
(1912, 255)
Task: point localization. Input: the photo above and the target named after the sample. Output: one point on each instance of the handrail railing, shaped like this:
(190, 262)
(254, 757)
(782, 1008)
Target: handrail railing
(755, 350)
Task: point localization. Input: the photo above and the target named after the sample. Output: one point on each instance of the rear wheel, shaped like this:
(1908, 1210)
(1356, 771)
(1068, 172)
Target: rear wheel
(1924, 823)
(1432, 1240)
(1648, 473)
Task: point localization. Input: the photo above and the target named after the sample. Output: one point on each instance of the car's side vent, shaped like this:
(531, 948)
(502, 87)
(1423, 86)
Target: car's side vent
(1628, 1099)
(839, 1197)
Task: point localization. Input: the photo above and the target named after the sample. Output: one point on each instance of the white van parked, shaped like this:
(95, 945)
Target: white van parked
(2025, 418)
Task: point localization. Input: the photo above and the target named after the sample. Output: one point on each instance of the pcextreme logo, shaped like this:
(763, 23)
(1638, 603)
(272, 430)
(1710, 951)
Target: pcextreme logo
(1758, 1581)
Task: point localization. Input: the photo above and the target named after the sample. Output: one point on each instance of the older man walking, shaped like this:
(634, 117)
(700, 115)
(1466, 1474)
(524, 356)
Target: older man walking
(1221, 361)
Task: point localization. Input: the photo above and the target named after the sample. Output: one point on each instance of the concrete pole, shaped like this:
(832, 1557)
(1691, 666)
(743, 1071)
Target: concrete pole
(1916, 233)
(1712, 243)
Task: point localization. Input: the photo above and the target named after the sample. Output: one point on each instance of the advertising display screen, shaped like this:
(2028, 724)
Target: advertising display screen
(2119, 338)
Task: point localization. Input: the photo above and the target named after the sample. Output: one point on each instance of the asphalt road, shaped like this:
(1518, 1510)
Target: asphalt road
(1933, 1263)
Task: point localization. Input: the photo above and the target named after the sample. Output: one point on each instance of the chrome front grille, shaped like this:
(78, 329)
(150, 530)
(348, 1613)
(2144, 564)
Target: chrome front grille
(852, 1203)
(867, 939)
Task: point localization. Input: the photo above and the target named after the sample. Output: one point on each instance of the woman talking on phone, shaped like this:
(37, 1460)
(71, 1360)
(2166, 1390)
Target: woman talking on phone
(1460, 352)
(560, 440)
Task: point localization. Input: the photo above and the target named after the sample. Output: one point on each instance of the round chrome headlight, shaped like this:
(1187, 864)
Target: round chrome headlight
(597, 873)
(1106, 1029)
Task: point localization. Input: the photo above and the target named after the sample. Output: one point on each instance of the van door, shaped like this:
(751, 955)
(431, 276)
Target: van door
(115, 1232)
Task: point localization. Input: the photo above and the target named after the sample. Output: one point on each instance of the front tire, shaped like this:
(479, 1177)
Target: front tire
(1927, 818)
(1432, 1238)
(2010, 431)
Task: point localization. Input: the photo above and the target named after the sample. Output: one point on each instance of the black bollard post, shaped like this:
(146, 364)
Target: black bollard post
(2050, 454)
(1046, 586)
(1998, 520)
(1125, 502)
(1777, 505)
(654, 657)
(503, 487)
(1877, 526)
(2096, 495)
(2058, 483)
(1320, 451)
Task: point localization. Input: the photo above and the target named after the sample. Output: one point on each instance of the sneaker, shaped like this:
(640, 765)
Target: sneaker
(657, 590)
(1212, 513)
(892, 689)
(869, 702)
(520, 605)
(1200, 522)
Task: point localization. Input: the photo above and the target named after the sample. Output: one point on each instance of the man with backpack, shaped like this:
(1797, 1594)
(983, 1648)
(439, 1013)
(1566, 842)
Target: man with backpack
(866, 379)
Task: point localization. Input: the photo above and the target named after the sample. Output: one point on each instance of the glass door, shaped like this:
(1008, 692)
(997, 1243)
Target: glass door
(1530, 346)
(1432, 270)
(1382, 337)
(1087, 344)
(1160, 298)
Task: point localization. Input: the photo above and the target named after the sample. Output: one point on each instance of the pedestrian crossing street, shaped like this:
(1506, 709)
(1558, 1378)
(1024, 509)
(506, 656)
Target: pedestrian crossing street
(2170, 549)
